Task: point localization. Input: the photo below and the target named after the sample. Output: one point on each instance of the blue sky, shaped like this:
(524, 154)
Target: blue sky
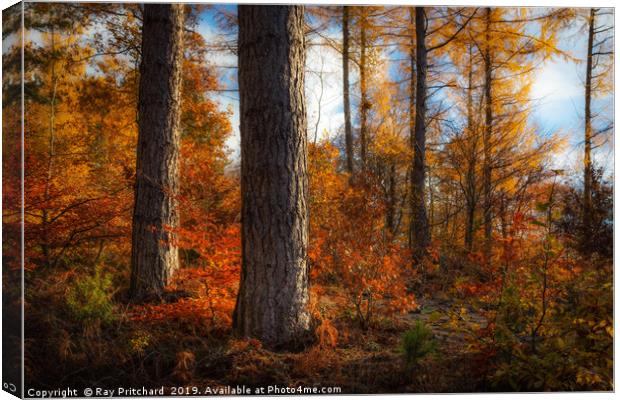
(557, 92)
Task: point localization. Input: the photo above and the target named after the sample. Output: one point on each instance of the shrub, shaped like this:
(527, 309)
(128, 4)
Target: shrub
(139, 341)
(327, 334)
(417, 343)
(349, 244)
(89, 299)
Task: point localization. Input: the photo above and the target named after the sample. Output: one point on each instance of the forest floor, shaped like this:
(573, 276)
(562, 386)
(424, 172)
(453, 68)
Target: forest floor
(185, 354)
(371, 360)
(180, 344)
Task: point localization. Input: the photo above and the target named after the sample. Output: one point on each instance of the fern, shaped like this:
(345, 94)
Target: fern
(89, 299)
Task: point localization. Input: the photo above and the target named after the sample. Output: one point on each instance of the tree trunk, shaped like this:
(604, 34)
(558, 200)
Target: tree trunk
(348, 134)
(364, 102)
(412, 90)
(390, 212)
(488, 131)
(419, 222)
(469, 224)
(471, 195)
(587, 157)
(154, 255)
(45, 219)
(272, 303)
(431, 201)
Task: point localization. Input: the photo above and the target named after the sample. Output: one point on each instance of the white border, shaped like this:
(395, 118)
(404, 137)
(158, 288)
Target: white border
(503, 3)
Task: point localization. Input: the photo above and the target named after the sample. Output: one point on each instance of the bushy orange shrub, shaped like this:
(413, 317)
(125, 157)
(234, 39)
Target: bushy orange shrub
(350, 246)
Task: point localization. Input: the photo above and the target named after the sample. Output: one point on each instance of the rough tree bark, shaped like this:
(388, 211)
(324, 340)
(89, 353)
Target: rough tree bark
(412, 89)
(364, 101)
(348, 134)
(488, 132)
(272, 303)
(154, 255)
(587, 157)
(420, 237)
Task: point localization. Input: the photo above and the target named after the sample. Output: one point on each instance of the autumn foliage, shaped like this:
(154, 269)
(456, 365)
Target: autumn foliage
(350, 246)
(525, 306)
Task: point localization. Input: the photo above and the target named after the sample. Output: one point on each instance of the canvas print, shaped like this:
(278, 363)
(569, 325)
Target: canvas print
(220, 199)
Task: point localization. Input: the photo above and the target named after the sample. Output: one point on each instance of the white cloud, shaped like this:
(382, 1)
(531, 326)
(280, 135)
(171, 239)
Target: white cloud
(324, 91)
(323, 74)
(557, 80)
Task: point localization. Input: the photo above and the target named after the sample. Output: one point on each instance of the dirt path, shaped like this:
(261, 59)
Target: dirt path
(450, 324)
(371, 360)
(455, 367)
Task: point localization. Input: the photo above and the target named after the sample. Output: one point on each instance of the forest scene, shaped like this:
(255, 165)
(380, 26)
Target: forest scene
(309, 199)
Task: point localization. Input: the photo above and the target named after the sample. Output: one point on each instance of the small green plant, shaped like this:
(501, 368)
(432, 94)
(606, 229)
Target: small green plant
(89, 299)
(417, 343)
